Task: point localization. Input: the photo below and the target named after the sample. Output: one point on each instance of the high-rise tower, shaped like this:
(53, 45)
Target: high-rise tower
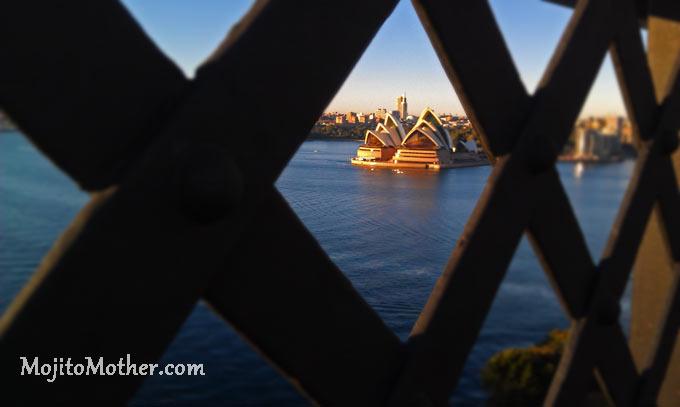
(402, 106)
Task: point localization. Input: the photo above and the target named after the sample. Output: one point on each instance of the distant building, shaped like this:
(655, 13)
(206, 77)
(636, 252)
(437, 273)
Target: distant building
(462, 122)
(613, 124)
(362, 118)
(626, 132)
(351, 117)
(402, 106)
(340, 119)
(380, 114)
(607, 125)
(596, 145)
(593, 123)
(427, 145)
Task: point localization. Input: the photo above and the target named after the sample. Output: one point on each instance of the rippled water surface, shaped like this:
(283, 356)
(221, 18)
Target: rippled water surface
(391, 232)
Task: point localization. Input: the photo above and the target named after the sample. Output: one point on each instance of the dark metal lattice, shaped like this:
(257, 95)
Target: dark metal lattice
(176, 215)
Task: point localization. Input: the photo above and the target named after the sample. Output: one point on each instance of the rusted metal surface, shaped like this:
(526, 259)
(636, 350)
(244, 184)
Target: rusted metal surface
(179, 212)
(656, 368)
(656, 268)
(499, 118)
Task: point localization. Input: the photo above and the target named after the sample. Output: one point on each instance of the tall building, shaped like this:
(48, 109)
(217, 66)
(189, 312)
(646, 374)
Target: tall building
(626, 132)
(595, 144)
(402, 106)
(613, 125)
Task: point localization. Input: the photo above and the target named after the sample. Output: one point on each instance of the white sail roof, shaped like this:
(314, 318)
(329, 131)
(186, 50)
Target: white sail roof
(390, 133)
(429, 125)
(383, 138)
(392, 122)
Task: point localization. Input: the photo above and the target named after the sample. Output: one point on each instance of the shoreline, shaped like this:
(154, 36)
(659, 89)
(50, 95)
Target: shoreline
(334, 139)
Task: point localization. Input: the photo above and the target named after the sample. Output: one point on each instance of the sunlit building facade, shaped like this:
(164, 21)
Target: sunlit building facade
(426, 145)
(402, 107)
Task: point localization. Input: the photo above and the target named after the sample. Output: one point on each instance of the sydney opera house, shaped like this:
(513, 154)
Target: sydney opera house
(427, 145)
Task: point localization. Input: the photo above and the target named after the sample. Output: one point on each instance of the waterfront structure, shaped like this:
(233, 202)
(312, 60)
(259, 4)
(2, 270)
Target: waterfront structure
(157, 247)
(595, 146)
(382, 143)
(402, 106)
(427, 145)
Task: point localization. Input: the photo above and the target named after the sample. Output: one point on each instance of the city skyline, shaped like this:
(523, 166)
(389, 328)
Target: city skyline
(399, 59)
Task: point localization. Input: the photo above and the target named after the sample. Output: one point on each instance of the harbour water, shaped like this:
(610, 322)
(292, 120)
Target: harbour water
(390, 231)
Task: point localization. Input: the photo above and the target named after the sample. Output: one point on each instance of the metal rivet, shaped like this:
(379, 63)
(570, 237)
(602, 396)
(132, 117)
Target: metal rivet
(209, 182)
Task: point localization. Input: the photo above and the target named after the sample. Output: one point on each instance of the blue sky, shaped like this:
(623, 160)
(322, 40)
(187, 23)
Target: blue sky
(400, 58)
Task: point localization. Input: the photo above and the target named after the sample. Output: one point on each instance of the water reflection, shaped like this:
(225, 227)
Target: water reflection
(578, 170)
(411, 195)
(391, 232)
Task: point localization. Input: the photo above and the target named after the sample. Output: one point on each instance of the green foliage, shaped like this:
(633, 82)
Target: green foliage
(354, 132)
(521, 377)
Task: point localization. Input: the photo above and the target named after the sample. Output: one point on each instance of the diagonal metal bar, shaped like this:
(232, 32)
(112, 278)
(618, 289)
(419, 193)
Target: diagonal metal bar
(632, 71)
(91, 303)
(582, 352)
(653, 271)
(498, 119)
(641, 8)
(571, 270)
(581, 343)
(444, 333)
(669, 202)
(635, 211)
(630, 223)
(573, 276)
(615, 265)
(665, 339)
(313, 326)
(615, 368)
(184, 224)
(90, 102)
(280, 32)
(200, 107)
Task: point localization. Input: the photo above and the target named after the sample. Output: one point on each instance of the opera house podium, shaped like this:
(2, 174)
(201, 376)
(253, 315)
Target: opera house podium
(427, 145)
